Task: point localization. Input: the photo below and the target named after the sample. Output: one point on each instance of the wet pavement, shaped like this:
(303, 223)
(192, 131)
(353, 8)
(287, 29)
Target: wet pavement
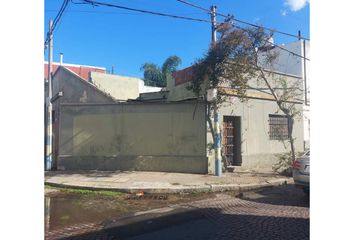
(275, 213)
(65, 209)
(272, 214)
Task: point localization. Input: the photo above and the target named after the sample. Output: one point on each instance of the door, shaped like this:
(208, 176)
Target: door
(232, 140)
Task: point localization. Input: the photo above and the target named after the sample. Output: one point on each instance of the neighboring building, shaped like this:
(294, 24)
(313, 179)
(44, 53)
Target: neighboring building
(294, 65)
(82, 70)
(88, 84)
(121, 87)
(74, 89)
(147, 89)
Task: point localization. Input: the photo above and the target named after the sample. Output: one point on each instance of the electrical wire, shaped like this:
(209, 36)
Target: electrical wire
(114, 12)
(275, 45)
(241, 21)
(59, 22)
(193, 5)
(96, 3)
(55, 21)
(144, 11)
(229, 17)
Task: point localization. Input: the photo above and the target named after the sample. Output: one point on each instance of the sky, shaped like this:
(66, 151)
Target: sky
(105, 37)
(329, 23)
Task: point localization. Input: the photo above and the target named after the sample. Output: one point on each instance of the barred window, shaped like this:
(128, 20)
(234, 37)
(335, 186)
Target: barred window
(278, 127)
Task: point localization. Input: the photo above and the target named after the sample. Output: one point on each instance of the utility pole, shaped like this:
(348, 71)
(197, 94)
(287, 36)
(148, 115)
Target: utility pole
(304, 69)
(217, 135)
(49, 146)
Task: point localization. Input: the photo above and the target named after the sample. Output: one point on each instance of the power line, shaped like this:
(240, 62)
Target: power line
(193, 5)
(241, 21)
(144, 11)
(113, 12)
(282, 48)
(254, 25)
(269, 29)
(60, 20)
(56, 20)
(95, 3)
(60, 13)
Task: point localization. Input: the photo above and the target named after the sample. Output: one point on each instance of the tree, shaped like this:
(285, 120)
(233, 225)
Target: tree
(234, 60)
(156, 76)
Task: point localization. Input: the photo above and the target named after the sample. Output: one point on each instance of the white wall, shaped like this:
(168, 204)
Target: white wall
(119, 87)
(147, 89)
(294, 65)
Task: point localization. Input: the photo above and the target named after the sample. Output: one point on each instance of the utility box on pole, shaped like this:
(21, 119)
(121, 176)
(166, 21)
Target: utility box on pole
(212, 94)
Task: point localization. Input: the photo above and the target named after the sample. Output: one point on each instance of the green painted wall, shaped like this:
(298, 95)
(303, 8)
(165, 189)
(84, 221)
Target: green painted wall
(133, 136)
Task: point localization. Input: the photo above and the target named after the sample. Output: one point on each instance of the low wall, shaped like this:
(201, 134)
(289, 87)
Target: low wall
(133, 136)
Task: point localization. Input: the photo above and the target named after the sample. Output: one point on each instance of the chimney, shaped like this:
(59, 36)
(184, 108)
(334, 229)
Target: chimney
(61, 58)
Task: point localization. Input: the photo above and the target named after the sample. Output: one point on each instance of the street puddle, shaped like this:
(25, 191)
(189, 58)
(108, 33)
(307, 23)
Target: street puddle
(68, 210)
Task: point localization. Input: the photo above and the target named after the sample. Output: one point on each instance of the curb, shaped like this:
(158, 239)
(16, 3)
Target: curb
(150, 221)
(181, 189)
(155, 219)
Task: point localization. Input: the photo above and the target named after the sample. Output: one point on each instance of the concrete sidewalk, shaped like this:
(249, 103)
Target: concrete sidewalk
(162, 182)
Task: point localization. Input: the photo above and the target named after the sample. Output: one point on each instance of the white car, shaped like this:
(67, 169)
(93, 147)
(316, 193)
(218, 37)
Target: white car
(301, 172)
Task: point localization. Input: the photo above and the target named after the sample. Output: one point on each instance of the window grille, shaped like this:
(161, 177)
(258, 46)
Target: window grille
(278, 127)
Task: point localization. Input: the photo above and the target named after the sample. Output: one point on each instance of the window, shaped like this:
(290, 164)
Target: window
(278, 127)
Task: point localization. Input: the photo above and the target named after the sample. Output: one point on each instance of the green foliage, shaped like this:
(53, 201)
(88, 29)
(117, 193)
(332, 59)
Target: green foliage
(283, 165)
(100, 192)
(104, 193)
(156, 76)
(231, 62)
(152, 75)
(234, 60)
(170, 65)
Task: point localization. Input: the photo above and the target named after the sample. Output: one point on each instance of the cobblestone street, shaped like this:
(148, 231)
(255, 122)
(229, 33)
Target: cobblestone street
(253, 219)
(278, 213)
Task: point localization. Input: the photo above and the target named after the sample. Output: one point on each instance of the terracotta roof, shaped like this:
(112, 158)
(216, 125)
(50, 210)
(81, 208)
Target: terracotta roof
(183, 76)
(82, 71)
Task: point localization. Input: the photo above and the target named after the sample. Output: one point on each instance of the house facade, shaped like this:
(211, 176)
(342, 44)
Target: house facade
(291, 64)
(82, 70)
(253, 130)
(104, 123)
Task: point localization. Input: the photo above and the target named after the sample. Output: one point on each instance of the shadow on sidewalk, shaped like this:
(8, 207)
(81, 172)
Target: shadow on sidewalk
(287, 195)
(216, 226)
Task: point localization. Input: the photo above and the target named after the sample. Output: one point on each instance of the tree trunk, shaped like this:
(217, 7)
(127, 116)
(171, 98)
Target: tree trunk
(285, 111)
(210, 122)
(291, 139)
